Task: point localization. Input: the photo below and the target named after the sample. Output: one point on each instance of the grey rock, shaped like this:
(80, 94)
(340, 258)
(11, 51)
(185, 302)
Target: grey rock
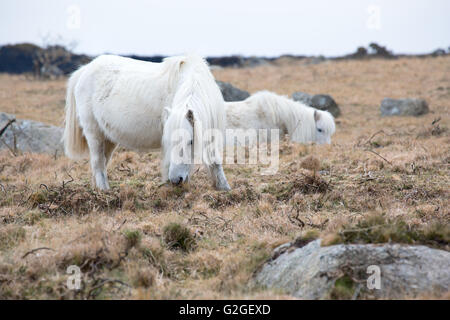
(231, 93)
(319, 101)
(403, 107)
(302, 97)
(30, 136)
(310, 272)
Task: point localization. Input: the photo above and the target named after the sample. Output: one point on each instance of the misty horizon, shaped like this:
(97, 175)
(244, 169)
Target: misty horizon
(262, 29)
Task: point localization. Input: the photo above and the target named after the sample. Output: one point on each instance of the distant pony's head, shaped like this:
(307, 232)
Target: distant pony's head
(325, 126)
(178, 146)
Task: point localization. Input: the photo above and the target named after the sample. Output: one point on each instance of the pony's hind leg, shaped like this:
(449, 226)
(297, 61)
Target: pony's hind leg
(97, 150)
(109, 150)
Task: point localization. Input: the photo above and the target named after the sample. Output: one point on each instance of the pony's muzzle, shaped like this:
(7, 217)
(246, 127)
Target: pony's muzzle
(178, 180)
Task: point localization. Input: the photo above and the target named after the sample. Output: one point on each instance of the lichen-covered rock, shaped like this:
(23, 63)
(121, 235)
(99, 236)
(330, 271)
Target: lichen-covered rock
(30, 136)
(318, 101)
(231, 93)
(314, 272)
(403, 107)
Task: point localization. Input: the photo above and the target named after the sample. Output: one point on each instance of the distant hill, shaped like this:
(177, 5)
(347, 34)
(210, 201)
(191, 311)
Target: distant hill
(57, 60)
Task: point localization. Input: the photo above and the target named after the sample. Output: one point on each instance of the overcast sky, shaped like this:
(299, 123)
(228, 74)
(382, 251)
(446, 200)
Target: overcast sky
(209, 27)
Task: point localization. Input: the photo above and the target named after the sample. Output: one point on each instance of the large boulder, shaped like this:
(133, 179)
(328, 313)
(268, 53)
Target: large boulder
(29, 136)
(49, 61)
(231, 93)
(18, 58)
(318, 101)
(316, 272)
(403, 107)
(302, 97)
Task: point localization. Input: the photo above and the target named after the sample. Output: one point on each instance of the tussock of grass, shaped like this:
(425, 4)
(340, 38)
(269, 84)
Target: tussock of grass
(11, 235)
(144, 277)
(73, 199)
(304, 183)
(378, 228)
(244, 194)
(306, 238)
(178, 236)
(133, 238)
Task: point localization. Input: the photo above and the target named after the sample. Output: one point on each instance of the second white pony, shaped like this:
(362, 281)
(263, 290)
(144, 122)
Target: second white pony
(141, 105)
(267, 110)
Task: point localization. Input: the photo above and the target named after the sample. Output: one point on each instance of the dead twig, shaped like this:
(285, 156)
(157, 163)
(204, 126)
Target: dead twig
(67, 182)
(369, 150)
(432, 123)
(318, 226)
(373, 136)
(6, 126)
(92, 294)
(9, 148)
(121, 225)
(296, 220)
(35, 250)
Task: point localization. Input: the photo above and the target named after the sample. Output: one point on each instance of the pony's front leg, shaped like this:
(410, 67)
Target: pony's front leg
(218, 176)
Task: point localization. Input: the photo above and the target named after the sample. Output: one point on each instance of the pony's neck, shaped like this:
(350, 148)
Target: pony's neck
(298, 119)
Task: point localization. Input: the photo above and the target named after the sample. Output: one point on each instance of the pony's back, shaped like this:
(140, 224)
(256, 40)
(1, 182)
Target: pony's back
(295, 117)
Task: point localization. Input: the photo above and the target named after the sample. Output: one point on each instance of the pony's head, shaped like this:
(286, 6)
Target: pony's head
(196, 113)
(178, 146)
(325, 126)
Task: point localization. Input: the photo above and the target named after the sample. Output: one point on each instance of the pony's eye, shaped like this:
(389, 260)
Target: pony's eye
(320, 130)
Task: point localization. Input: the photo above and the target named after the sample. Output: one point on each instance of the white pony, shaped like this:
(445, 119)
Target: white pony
(140, 105)
(267, 110)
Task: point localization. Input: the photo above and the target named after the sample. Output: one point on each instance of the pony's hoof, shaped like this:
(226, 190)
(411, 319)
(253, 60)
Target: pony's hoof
(224, 187)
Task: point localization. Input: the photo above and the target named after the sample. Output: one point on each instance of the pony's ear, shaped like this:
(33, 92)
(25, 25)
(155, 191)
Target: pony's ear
(316, 115)
(190, 117)
(165, 114)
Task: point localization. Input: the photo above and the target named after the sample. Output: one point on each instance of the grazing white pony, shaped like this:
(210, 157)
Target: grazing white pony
(267, 110)
(141, 105)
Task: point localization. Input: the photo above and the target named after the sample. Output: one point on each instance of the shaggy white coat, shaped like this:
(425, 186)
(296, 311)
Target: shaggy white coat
(267, 110)
(115, 100)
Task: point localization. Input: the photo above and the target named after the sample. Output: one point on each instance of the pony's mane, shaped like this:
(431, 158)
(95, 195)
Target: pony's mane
(197, 90)
(297, 117)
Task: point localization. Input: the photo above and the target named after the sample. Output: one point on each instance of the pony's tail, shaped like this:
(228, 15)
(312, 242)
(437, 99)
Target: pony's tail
(75, 144)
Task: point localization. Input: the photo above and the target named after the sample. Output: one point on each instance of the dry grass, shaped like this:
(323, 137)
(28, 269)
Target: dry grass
(143, 240)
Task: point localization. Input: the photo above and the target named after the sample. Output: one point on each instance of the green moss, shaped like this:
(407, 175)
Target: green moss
(343, 289)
